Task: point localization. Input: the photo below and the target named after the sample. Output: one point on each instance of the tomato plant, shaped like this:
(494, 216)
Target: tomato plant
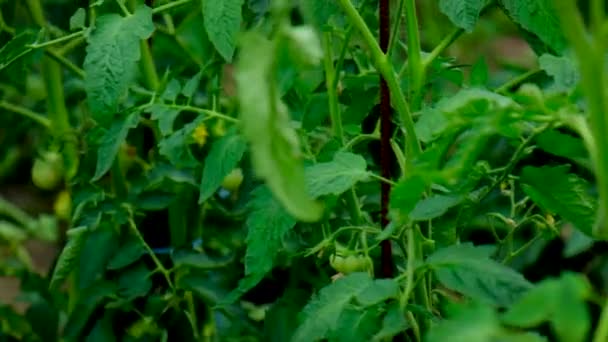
(308, 170)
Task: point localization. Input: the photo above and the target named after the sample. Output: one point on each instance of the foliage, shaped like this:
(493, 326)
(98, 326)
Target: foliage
(228, 171)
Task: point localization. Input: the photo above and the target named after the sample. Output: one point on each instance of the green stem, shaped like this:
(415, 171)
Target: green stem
(147, 66)
(70, 36)
(395, 29)
(37, 12)
(330, 76)
(352, 201)
(442, 46)
(65, 62)
(208, 112)
(601, 333)
(410, 268)
(590, 53)
(39, 118)
(169, 6)
(159, 265)
(58, 114)
(14, 212)
(414, 60)
(384, 67)
(123, 8)
(510, 84)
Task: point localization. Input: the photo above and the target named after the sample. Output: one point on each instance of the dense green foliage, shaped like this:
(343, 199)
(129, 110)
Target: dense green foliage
(210, 170)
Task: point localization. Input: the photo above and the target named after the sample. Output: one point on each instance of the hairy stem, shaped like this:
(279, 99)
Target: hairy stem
(415, 65)
(385, 68)
(590, 53)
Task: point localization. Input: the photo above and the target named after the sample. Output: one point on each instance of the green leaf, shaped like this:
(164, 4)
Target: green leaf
(564, 145)
(404, 197)
(267, 224)
(103, 331)
(165, 116)
(336, 176)
(223, 23)
(86, 303)
(98, 248)
(171, 91)
(69, 256)
(479, 73)
(127, 254)
(111, 142)
(319, 12)
(469, 270)
(77, 20)
(192, 85)
(431, 124)
(111, 59)
(176, 146)
(224, 156)
(562, 302)
(279, 324)
(393, 323)
(16, 48)
(275, 150)
(321, 314)
(377, 292)
(199, 260)
(561, 193)
(134, 282)
(433, 207)
(562, 69)
(538, 17)
(463, 13)
(356, 324)
(474, 323)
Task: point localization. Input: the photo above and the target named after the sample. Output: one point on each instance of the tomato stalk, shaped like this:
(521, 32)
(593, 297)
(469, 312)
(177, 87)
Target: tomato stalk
(589, 48)
(385, 68)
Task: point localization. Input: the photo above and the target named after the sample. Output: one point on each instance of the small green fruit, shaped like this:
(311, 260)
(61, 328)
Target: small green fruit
(63, 205)
(47, 171)
(233, 180)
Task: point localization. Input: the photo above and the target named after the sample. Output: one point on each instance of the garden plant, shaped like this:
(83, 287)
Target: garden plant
(304, 170)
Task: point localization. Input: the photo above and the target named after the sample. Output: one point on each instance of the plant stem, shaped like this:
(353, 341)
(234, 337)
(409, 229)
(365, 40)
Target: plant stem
(384, 67)
(590, 54)
(395, 30)
(57, 40)
(202, 111)
(149, 250)
(510, 84)
(65, 62)
(443, 45)
(123, 8)
(147, 66)
(330, 78)
(415, 65)
(336, 119)
(39, 118)
(169, 6)
(601, 333)
(58, 114)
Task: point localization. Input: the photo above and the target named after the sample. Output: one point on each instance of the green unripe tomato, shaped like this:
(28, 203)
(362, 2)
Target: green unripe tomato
(63, 205)
(337, 263)
(47, 171)
(347, 264)
(233, 180)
